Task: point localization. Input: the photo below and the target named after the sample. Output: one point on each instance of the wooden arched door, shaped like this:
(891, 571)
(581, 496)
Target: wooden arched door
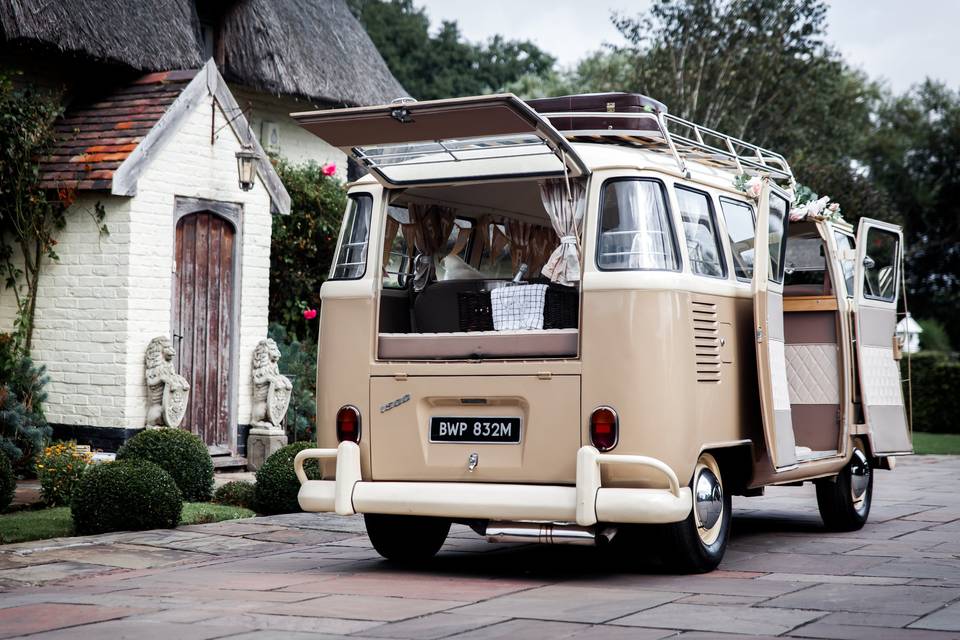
(203, 311)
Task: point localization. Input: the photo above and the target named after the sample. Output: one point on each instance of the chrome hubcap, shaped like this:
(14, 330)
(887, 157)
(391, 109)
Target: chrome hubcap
(708, 499)
(859, 478)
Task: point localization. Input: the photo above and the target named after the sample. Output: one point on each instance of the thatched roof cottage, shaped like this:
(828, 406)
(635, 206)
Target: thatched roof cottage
(161, 96)
(276, 56)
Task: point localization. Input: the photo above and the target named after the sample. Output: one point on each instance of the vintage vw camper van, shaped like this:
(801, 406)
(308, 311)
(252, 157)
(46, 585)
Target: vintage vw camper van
(561, 321)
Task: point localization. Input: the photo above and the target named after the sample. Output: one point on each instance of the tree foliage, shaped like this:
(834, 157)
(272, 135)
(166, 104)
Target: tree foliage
(757, 69)
(298, 360)
(444, 65)
(914, 154)
(934, 336)
(303, 244)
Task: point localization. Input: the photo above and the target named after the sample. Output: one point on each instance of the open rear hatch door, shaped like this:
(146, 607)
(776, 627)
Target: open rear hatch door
(442, 141)
(769, 252)
(879, 260)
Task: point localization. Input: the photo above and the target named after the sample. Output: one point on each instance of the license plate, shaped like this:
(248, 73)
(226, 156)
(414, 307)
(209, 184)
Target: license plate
(475, 430)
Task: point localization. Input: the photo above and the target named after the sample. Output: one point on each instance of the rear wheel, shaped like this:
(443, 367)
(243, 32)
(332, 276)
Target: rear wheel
(697, 544)
(406, 539)
(845, 499)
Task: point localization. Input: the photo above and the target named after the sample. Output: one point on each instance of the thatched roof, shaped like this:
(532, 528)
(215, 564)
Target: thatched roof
(146, 35)
(314, 49)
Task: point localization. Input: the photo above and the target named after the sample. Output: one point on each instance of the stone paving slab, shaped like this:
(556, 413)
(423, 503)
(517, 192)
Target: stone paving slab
(316, 576)
(721, 618)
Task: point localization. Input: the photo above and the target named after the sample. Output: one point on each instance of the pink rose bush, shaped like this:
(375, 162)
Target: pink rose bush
(309, 314)
(328, 169)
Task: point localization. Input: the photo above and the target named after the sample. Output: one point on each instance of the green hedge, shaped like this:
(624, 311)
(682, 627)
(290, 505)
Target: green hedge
(277, 485)
(131, 495)
(179, 453)
(238, 493)
(8, 482)
(936, 392)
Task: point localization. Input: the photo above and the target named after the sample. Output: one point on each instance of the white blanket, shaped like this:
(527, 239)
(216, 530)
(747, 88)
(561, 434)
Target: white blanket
(518, 307)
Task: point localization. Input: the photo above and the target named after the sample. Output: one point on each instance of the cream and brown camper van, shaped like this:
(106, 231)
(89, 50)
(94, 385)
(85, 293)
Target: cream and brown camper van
(560, 321)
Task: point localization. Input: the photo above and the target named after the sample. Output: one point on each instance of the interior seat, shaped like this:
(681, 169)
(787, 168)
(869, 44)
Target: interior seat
(435, 309)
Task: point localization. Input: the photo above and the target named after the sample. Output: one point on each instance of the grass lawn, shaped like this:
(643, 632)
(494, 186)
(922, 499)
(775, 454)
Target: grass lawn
(38, 524)
(944, 443)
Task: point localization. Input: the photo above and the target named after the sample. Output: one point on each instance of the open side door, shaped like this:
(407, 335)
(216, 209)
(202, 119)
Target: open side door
(442, 141)
(877, 278)
(769, 251)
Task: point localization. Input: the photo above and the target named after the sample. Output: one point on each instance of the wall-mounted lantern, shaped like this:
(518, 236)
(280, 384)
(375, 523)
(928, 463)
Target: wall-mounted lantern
(247, 166)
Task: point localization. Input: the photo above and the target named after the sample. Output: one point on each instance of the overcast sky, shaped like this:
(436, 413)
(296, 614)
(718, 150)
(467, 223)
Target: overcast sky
(902, 42)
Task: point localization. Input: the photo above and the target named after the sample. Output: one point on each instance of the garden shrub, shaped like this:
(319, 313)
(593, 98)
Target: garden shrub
(238, 493)
(23, 429)
(298, 360)
(59, 469)
(8, 482)
(302, 244)
(934, 336)
(131, 495)
(180, 453)
(277, 485)
(936, 392)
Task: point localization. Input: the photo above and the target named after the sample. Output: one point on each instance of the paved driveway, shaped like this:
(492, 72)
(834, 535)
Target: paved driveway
(306, 575)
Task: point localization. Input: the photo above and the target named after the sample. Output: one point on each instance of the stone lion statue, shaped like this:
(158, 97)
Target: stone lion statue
(167, 390)
(271, 391)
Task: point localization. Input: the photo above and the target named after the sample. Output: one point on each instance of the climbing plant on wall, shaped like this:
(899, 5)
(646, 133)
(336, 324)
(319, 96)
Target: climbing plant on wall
(30, 217)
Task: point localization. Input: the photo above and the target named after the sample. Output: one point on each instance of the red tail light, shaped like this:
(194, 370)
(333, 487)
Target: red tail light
(604, 428)
(348, 424)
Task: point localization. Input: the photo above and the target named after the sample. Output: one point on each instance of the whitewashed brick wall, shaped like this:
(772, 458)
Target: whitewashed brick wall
(297, 145)
(189, 166)
(80, 330)
(107, 297)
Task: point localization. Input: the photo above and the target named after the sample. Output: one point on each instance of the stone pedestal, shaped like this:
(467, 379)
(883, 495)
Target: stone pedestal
(261, 443)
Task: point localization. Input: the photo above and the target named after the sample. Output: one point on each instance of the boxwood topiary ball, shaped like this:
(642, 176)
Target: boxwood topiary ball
(237, 493)
(277, 485)
(8, 482)
(131, 495)
(179, 453)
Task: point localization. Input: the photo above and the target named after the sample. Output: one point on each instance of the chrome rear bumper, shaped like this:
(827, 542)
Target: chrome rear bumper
(587, 503)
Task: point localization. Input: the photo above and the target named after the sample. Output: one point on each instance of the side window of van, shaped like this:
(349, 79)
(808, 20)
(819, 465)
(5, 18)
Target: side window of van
(635, 230)
(880, 265)
(740, 228)
(806, 265)
(700, 231)
(350, 262)
(778, 235)
(846, 243)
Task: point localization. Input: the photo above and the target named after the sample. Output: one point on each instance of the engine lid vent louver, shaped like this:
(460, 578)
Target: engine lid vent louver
(706, 338)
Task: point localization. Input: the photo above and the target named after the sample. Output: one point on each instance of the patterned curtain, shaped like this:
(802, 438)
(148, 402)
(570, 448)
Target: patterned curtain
(565, 202)
(430, 226)
(393, 227)
(529, 243)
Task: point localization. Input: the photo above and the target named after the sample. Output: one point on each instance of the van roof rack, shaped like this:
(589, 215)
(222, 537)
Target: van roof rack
(655, 129)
